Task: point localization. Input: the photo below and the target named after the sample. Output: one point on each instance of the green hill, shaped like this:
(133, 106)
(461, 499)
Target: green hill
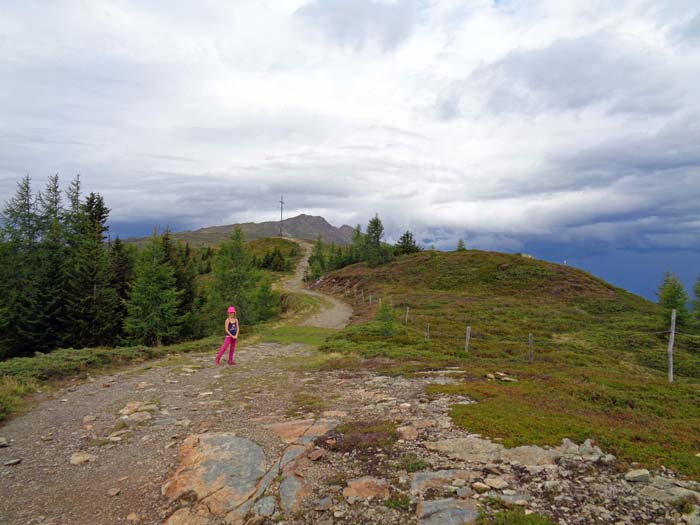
(301, 227)
(600, 357)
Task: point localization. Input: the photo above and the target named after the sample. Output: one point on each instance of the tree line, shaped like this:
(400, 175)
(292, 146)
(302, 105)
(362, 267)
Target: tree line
(367, 246)
(65, 283)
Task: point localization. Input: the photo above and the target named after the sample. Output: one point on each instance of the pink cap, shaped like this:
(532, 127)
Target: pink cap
(232, 309)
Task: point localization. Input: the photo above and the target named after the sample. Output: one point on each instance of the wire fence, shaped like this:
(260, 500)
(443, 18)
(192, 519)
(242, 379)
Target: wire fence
(445, 327)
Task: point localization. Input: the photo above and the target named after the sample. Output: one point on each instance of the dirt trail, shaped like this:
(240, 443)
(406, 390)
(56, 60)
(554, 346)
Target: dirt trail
(182, 442)
(334, 313)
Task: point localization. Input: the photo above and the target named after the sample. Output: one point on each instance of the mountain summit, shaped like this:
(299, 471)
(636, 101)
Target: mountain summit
(301, 227)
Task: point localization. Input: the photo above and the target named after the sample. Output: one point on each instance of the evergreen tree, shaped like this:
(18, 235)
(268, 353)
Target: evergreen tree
(234, 281)
(179, 257)
(20, 287)
(460, 246)
(122, 259)
(93, 304)
(358, 247)
(406, 244)
(376, 253)
(152, 309)
(672, 295)
(51, 266)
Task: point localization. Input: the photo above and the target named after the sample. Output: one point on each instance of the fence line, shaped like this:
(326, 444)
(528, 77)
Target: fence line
(489, 338)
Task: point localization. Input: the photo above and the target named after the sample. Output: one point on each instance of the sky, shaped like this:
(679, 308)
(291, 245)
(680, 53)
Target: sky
(569, 130)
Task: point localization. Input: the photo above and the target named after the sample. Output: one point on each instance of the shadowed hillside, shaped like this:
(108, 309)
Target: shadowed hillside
(300, 227)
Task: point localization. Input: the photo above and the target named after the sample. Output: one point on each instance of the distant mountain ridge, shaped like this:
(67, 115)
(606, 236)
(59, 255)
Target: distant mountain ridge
(301, 227)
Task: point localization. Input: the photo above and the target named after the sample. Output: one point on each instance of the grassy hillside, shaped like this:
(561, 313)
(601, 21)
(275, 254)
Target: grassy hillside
(600, 352)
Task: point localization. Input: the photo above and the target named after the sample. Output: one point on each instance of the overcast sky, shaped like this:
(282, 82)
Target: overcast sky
(512, 124)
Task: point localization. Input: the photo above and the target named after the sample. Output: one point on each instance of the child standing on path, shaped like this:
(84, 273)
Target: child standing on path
(231, 328)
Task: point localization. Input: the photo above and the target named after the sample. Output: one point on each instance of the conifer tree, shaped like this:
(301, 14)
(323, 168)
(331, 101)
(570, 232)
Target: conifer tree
(696, 301)
(122, 259)
(234, 280)
(93, 304)
(406, 244)
(460, 246)
(376, 253)
(51, 266)
(672, 295)
(20, 287)
(152, 309)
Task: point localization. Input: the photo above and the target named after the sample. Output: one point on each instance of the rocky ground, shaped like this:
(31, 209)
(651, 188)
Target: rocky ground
(180, 441)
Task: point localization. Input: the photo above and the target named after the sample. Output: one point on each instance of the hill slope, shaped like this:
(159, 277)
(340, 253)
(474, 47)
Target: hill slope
(600, 358)
(300, 227)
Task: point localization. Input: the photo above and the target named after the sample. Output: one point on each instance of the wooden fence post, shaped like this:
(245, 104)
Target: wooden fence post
(671, 340)
(530, 341)
(427, 334)
(363, 295)
(466, 340)
(405, 321)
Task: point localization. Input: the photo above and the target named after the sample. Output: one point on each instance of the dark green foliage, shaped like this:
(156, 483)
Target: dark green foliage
(672, 295)
(406, 244)
(461, 246)
(237, 282)
(385, 316)
(376, 252)
(92, 303)
(122, 259)
(152, 317)
(514, 517)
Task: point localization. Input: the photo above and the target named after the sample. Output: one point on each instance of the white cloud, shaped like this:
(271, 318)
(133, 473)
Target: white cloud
(546, 120)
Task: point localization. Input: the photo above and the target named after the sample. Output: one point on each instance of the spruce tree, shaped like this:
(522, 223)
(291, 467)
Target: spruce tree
(20, 233)
(696, 301)
(122, 260)
(672, 295)
(152, 310)
(460, 246)
(406, 244)
(373, 239)
(93, 304)
(52, 288)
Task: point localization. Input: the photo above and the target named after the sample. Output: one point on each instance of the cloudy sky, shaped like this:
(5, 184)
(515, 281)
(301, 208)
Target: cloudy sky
(567, 129)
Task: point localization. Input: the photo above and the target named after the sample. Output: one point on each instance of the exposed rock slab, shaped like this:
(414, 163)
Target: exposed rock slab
(366, 488)
(222, 470)
(447, 512)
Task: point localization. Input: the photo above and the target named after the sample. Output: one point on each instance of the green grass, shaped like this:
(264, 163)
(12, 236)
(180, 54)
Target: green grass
(514, 517)
(599, 369)
(308, 335)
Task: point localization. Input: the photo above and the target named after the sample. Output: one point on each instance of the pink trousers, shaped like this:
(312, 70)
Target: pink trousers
(228, 342)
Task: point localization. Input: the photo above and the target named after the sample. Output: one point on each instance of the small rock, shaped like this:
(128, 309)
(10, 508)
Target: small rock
(459, 482)
(13, 462)
(366, 488)
(480, 487)
(206, 394)
(113, 492)
(130, 408)
(640, 475)
(133, 518)
(496, 482)
(408, 433)
(490, 376)
(324, 504)
(138, 417)
(3, 442)
(317, 454)
(79, 458)
(89, 419)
